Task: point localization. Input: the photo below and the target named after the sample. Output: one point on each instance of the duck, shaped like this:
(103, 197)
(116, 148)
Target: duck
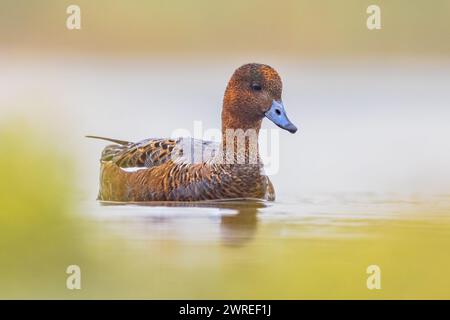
(188, 169)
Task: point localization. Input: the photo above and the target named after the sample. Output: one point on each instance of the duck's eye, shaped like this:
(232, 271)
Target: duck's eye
(256, 87)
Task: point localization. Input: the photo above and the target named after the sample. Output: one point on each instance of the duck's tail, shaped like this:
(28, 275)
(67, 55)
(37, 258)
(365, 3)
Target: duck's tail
(121, 142)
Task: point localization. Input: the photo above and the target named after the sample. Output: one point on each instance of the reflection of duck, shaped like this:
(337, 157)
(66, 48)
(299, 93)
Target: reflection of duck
(190, 170)
(240, 228)
(235, 229)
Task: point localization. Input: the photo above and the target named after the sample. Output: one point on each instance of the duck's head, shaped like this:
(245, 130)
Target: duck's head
(254, 92)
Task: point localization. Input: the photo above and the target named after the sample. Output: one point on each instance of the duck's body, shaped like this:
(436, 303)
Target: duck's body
(185, 169)
(166, 170)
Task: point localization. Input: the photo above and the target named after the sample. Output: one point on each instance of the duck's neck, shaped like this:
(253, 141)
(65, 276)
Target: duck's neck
(240, 139)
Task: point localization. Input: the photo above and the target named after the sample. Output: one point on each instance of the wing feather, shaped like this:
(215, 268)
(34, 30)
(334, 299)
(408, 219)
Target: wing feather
(154, 152)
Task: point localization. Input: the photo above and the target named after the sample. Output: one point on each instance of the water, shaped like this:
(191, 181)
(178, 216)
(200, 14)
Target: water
(317, 247)
(365, 182)
(236, 221)
(311, 248)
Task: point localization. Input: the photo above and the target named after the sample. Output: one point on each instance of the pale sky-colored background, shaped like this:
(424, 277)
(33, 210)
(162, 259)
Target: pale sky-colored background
(372, 106)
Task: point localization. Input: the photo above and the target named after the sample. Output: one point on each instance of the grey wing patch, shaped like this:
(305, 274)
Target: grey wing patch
(192, 151)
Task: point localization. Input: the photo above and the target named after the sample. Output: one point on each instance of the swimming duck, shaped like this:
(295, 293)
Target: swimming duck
(187, 169)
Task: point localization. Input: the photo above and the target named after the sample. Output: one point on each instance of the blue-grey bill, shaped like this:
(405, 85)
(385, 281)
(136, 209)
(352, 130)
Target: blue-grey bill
(277, 115)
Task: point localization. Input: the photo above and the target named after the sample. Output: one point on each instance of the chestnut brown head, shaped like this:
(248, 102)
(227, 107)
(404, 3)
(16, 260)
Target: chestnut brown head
(254, 92)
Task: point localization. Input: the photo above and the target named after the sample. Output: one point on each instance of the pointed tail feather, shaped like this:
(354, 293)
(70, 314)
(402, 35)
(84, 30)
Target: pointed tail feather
(121, 142)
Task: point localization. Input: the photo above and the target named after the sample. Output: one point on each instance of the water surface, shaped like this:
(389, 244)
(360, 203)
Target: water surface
(317, 247)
